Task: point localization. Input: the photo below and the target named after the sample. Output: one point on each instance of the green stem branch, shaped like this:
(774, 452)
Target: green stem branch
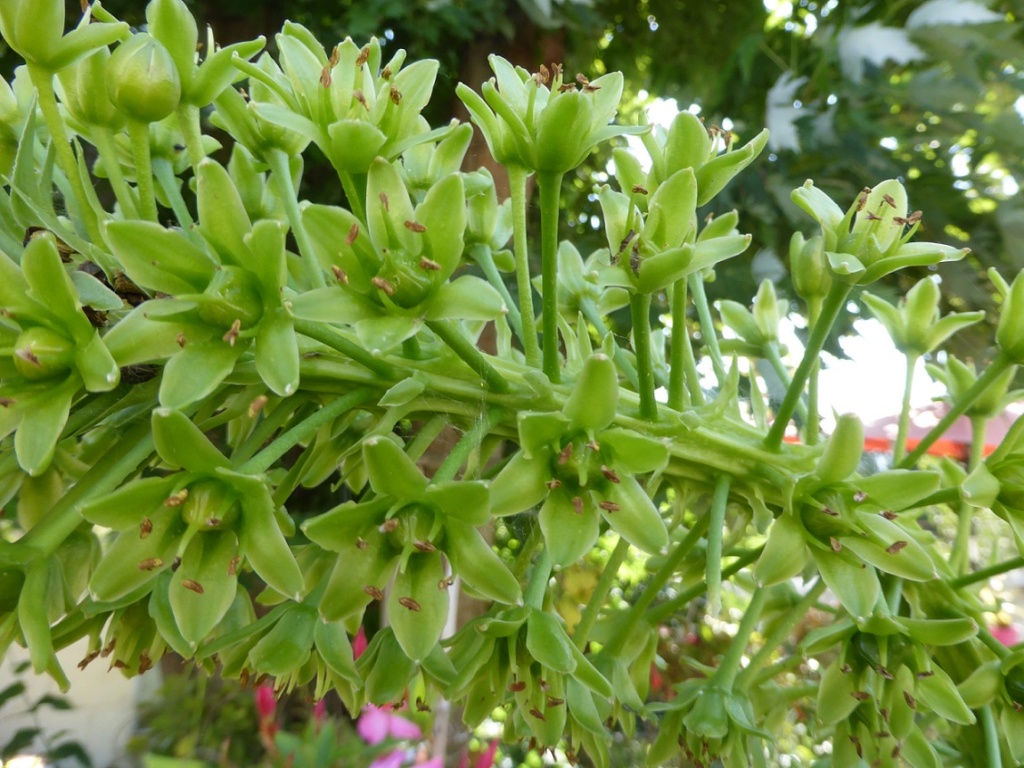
(995, 369)
(899, 450)
(729, 667)
(833, 305)
(593, 316)
(103, 138)
(609, 575)
(707, 326)
(191, 129)
(683, 368)
(987, 573)
(482, 255)
(337, 342)
(138, 132)
(469, 354)
(282, 178)
(640, 310)
(716, 531)
(517, 188)
(550, 187)
(469, 441)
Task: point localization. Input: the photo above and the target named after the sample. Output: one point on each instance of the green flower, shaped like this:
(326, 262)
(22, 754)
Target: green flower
(580, 469)
(872, 238)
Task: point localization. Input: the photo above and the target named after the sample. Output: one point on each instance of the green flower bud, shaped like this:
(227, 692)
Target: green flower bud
(32, 28)
(84, 91)
(1010, 331)
(40, 353)
(172, 24)
(809, 268)
(143, 80)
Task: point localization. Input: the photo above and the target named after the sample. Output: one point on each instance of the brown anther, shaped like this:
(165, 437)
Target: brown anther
(389, 525)
(145, 527)
(553, 702)
(577, 504)
(422, 706)
(885, 673)
(638, 190)
(358, 96)
(888, 199)
(396, 96)
(862, 198)
(914, 218)
(582, 79)
(566, 454)
(634, 258)
(408, 602)
(443, 584)
(610, 474)
(363, 57)
(830, 512)
(609, 506)
(414, 226)
(386, 73)
(872, 216)
(373, 592)
(588, 88)
(861, 695)
(325, 77)
(553, 484)
(353, 233)
(213, 522)
(884, 713)
(85, 6)
(859, 496)
(89, 659)
(594, 445)
(1017, 706)
(361, 543)
(926, 673)
(108, 648)
(835, 544)
(384, 202)
(176, 499)
(538, 714)
(556, 70)
(545, 74)
(895, 547)
(233, 564)
(29, 357)
(883, 735)
(566, 87)
(145, 663)
(384, 285)
(6, 402)
(335, 57)
(846, 669)
(429, 265)
(232, 335)
(118, 664)
(182, 341)
(896, 752)
(517, 686)
(424, 546)
(244, 93)
(150, 564)
(911, 701)
(258, 404)
(176, 564)
(889, 514)
(339, 274)
(194, 586)
(625, 241)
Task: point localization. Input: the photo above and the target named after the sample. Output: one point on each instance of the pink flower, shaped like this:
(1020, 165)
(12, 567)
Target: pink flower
(319, 712)
(266, 702)
(377, 723)
(484, 760)
(392, 759)
(1005, 633)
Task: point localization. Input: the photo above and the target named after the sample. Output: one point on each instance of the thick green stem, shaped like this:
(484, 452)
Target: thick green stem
(682, 366)
(707, 326)
(716, 530)
(42, 79)
(959, 559)
(729, 667)
(995, 369)
(987, 573)
(550, 187)
(812, 424)
(282, 177)
(350, 349)
(640, 310)
(517, 188)
(683, 599)
(103, 138)
(304, 430)
(285, 411)
(993, 755)
(138, 132)
(833, 305)
(899, 450)
(609, 575)
(770, 352)
(191, 129)
(169, 183)
(468, 353)
(469, 442)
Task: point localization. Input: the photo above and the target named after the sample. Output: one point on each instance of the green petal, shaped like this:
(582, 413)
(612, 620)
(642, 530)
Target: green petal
(203, 587)
(391, 471)
(637, 519)
(196, 371)
(41, 424)
(467, 501)
(127, 506)
(159, 259)
(568, 534)
(182, 444)
(277, 353)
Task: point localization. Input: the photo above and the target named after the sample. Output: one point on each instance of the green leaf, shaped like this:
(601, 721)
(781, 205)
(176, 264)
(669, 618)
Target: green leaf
(182, 444)
(96, 366)
(196, 371)
(159, 259)
(466, 298)
(41, 424)
(223, 220)
(467, 501)
(391, 471)
(277, 352)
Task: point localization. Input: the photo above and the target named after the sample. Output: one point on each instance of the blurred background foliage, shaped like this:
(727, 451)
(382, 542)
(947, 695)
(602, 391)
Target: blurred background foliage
(930, 91)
